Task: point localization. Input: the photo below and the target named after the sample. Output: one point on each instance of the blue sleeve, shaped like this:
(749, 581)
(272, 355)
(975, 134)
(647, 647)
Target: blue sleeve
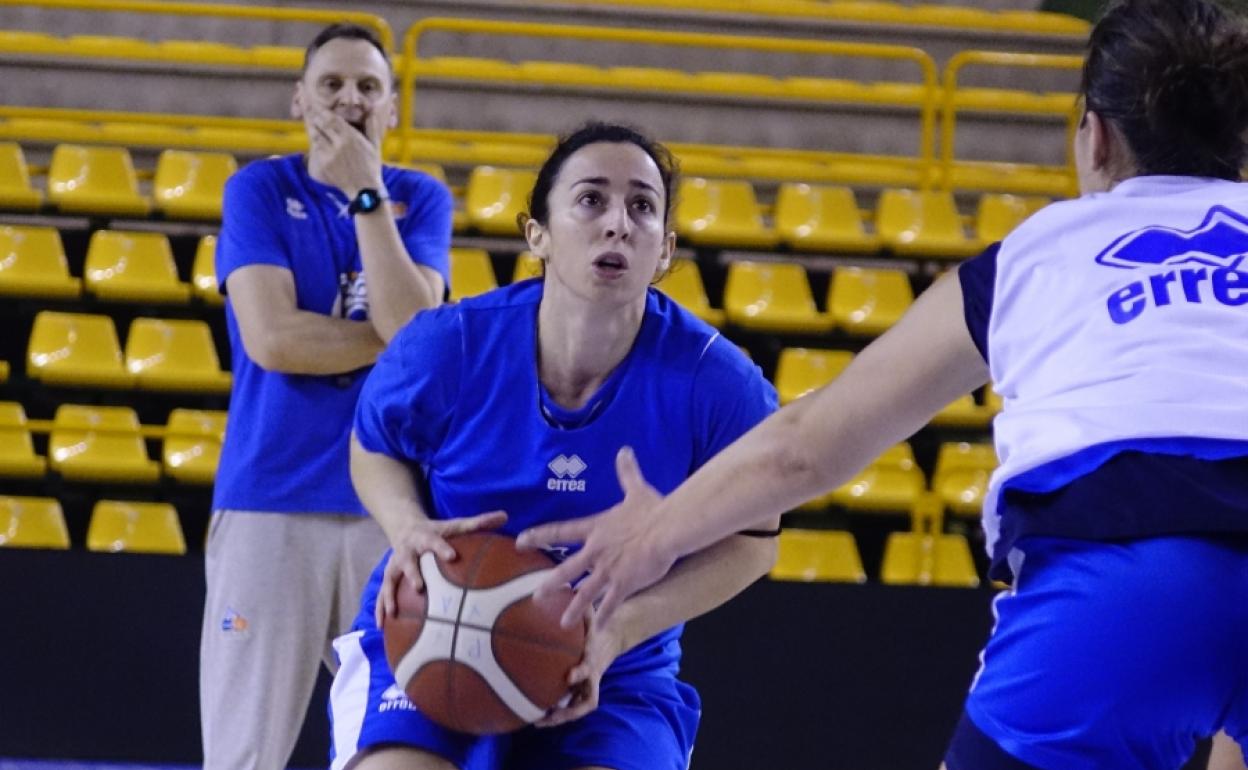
(426, 229)
(251, 206)
(408, 401)
(978, 276)
(730, 396)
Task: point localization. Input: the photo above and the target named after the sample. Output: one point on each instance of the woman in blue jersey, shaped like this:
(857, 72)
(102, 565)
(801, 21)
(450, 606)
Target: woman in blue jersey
(1115, 326)
(521, 400)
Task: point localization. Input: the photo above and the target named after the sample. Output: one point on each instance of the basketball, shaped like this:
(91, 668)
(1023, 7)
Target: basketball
(475, 652)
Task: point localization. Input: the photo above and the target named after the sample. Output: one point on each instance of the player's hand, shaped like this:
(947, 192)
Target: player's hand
(602, 647)
(421, 538)
(340, 154)
(622, 552)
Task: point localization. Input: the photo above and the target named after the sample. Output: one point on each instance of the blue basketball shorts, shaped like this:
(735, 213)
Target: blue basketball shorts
(1111, 655)
(644, 721)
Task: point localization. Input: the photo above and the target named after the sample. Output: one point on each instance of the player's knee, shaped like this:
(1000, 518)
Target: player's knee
(399, 758)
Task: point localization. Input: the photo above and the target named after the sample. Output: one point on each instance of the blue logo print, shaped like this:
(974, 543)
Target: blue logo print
(1210, 253)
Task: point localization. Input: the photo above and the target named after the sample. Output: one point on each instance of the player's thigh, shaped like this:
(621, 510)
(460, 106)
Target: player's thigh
(1226, 754)
(399, 758)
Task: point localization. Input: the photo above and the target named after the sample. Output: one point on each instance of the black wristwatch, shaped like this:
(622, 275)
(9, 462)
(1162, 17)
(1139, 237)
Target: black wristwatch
(367, 200)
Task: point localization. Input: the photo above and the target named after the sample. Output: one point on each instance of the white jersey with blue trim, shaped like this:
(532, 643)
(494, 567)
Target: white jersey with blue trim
(1118, 317)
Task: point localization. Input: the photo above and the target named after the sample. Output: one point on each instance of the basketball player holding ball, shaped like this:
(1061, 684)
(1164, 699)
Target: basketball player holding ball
(520, 400)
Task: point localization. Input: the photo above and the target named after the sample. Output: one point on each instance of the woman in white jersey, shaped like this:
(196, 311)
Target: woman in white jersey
(1115, 326)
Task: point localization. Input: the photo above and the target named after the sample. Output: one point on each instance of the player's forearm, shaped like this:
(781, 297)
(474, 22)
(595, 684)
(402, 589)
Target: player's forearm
(397, 287)
(301, 342)
(387, 490)
(695, 586)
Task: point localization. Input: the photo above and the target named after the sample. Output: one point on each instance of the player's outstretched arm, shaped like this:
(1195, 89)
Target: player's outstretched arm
(280, 337)
(387, 489)
(888, 392)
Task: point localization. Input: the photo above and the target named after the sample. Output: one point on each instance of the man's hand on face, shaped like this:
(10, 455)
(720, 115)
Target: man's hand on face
(341, 155)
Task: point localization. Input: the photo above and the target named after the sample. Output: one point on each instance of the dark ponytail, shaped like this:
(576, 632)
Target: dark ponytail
(1172, 75)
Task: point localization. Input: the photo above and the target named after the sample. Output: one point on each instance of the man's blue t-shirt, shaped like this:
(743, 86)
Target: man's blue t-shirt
(287, 435)
(457, 394)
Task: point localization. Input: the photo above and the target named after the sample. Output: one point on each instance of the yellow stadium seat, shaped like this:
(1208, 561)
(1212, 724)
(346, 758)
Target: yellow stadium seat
(15, 189)
(868, 302)
(922, 225)
(925, 555)
(772, 297)
(4, 371)
(76, 349)
(118, 526)
(964, 413)
(961, 476)
(821, 218)
(99, 443)
(496, 196)
(527, 266)
(133, 267)
(802, 370)
(649, 78)
(563, 73)
(204, 272)
(471, 273)
(893, 482)
(993, 402)
(166, 355)
(998, 214)
(17, 449)
(189, 185)
(721, 213)
(192, 446)
(32, 522)
(32, 264)
(95, 180)
(810, 555)
(683, 283)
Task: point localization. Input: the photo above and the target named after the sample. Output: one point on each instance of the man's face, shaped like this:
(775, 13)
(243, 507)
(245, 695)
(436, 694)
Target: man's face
(351, 79)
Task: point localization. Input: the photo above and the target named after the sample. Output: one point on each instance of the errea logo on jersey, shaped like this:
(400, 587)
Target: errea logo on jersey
(394, 699)
(566, 469)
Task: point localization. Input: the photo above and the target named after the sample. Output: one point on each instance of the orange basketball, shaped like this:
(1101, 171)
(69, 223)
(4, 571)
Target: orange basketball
(475, 652)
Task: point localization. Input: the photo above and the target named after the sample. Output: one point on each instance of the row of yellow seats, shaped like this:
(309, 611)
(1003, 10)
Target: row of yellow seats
(198, 51)
(82, 350)
(106, 444)
(121, 266)
(727, 213)
(102, 181)
(116, 526)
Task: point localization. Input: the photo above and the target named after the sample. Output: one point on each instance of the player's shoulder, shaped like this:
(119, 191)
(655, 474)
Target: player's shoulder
(265, 170)
(411, 182)
(693, 340)
(504, 300)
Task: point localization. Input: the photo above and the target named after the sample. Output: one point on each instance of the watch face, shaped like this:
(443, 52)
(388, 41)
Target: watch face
(366, 201)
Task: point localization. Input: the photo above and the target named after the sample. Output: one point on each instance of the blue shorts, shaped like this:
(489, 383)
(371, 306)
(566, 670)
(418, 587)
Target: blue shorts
(1111, 655)
(644, 721)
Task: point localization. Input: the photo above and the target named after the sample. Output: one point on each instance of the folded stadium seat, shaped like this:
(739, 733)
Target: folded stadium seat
(683, 283)
(196, 51)
(993, 402)
(964, 413)
(961, 476)
(496, 196)
(125, 266)
(4, 371)
(507, 153)
(801, 370)
(721, 213)
(100, 443)
(737, 82)
(192, 445)
(527, 266)
(15, 189)
(471, 67)
(564, 73)
(868, 302)
(809, 555)
(204, 272)
(76, 349)
(166, 355)
(922, 224)
(925, 555)
(772, 297)
(32, 522)
(278, 57)
(190, 185)
(471, 273)
(998, 214)
(821, 218)
(17, 449)
(95, 180)
(32, 264)
(118, 526)
(650, 78)
(891, 483)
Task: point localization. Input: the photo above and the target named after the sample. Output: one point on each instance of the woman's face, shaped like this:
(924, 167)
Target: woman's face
(605, 239)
